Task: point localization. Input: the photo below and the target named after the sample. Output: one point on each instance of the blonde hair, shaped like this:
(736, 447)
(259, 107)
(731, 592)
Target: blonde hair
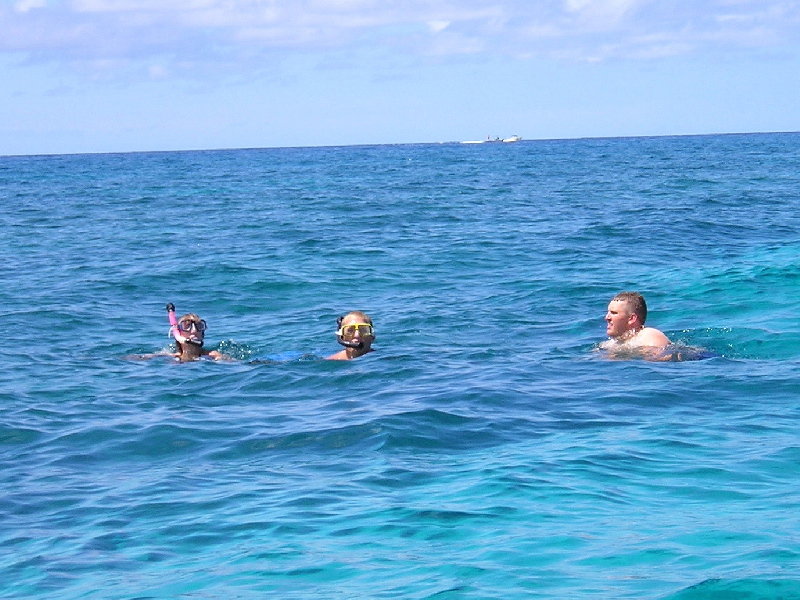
(359, 315)
(190, 317)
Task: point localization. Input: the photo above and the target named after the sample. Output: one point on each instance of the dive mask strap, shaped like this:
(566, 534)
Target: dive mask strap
(347, 344)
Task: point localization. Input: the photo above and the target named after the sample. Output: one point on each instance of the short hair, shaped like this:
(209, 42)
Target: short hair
(635, 302)
(358, 314)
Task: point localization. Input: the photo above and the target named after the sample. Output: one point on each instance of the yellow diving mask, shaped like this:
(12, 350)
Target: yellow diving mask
(349, 331)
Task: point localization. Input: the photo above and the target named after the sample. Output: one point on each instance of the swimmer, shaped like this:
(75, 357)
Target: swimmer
(356, 334)
(625, 319)
(189, 332)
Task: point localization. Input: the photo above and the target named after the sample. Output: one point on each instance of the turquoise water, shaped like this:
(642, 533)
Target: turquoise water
(485, 450)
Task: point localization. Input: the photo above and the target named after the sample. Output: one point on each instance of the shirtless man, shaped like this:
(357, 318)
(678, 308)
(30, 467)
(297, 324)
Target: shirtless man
(625, 319)
(356, 334)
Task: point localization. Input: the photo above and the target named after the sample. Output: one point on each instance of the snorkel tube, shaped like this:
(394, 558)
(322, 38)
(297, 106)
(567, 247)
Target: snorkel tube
(173, 320)
(358, 345)
(175, 332)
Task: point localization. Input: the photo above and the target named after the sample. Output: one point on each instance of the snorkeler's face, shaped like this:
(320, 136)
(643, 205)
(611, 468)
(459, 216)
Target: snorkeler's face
(618, 318)
(193, 329)
(356, 330)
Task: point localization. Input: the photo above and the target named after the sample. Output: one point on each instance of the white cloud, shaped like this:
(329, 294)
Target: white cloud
(158, 72)
(112, 6)
(437, 26)
(24, 6)
(601, 6)
(601, 12)
(212, 32)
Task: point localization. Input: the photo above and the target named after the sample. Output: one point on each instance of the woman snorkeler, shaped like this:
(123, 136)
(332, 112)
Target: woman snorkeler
(189, 333)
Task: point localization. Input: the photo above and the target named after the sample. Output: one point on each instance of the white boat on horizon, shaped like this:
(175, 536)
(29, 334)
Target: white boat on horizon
(489, 140)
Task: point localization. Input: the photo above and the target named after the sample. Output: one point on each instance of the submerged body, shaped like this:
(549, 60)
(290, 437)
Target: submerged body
(628, 338)
(356, 334)
(626, 330)
(189, 333)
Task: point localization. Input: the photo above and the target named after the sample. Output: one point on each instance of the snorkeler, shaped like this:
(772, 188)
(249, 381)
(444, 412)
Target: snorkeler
(356, 334)
(189, 332)
(625, 319)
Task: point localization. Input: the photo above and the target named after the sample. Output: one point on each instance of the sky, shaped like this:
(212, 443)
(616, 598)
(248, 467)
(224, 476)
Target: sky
(144, 75)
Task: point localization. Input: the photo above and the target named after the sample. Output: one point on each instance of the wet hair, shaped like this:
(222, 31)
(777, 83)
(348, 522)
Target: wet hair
(190, 317)
(356, 313)
(635, 302)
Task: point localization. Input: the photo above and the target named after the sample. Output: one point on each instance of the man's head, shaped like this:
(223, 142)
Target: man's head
(627, 312)
(355, 331)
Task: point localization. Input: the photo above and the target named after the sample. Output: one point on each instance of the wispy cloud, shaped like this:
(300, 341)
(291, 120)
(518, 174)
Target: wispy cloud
(23, 6)
(175, 33)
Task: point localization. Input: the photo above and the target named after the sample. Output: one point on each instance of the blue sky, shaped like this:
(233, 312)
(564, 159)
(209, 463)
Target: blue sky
(126, 75)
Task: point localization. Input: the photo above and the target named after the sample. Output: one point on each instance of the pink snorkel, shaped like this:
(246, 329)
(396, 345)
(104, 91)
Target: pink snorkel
(175, 332)
(173, 320)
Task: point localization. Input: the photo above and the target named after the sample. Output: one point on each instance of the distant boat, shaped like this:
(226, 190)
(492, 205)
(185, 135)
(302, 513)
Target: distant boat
(489, 140)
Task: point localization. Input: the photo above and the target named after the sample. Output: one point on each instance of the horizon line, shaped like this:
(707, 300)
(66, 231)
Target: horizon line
(247, 148)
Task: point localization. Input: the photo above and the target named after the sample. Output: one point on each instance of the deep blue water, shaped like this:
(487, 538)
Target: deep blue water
(485, 450)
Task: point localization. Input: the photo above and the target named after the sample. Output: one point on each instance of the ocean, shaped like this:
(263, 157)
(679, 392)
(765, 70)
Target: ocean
(486, 449)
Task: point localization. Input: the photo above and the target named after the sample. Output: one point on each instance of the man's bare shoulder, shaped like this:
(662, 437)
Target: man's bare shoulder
(650, 336)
